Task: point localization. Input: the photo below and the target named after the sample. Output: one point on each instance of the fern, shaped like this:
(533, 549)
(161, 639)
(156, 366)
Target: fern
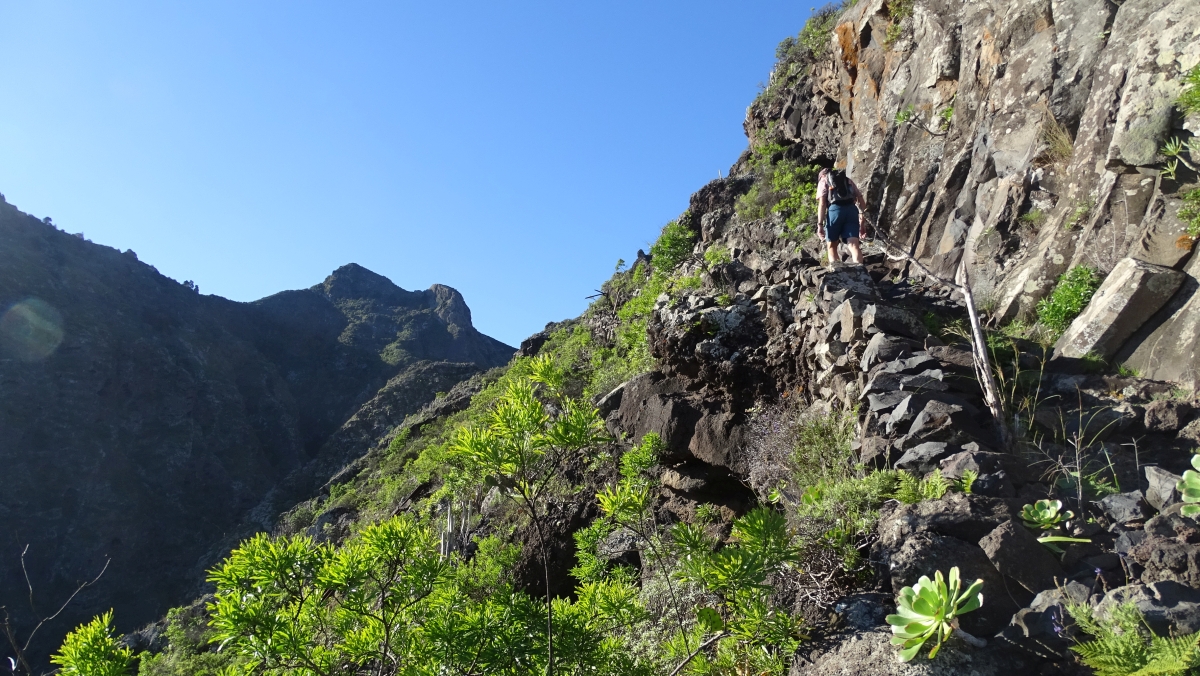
(1119, 647)
(910, 490)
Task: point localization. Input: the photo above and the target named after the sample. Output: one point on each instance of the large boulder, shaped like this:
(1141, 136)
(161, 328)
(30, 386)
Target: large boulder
(1129, 296)
(1168, 347)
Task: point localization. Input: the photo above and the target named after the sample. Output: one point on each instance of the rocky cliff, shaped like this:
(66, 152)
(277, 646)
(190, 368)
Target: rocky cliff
(1022, 137)
(145, 423)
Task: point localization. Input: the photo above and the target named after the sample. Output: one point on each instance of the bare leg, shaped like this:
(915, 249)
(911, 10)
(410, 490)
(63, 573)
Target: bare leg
(855, 250)
(833, 252)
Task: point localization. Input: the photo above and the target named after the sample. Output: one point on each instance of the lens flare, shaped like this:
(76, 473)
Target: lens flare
(31, 330)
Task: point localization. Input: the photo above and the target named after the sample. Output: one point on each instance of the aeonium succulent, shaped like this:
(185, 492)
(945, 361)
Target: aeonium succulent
(1045, 514)
(1189, 488)
(930, 610)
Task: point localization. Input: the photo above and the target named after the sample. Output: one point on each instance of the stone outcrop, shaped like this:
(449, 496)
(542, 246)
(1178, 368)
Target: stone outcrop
(974, 175)
(1129, 296)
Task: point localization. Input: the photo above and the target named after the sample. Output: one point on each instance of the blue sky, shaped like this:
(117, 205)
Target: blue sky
(513, 151)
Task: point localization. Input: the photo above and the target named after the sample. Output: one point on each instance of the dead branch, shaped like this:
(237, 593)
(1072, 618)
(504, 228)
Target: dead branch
(979, 350)
(21, 648)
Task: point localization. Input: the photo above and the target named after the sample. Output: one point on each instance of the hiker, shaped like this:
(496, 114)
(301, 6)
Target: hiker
(846, 207)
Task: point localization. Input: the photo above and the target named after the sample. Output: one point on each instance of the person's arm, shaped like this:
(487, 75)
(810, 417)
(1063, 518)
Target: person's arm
(822, 206)
(861, 201)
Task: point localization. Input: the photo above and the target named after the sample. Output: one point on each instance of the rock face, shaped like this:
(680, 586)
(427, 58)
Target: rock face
(1130, 295)
(143, 422)
(973, 176)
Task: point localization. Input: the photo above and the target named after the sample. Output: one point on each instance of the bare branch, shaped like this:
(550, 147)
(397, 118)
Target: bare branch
(979, 350)
(714, 639)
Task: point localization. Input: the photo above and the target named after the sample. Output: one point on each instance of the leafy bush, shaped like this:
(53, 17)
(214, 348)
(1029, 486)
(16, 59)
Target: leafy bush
(1189, 213)
(92, 650)
(1072, 293)
(1123, 645)
(641, 458)
(929, 610)
(716, 255)
(189, 650)
(387, 602)
(674, 246)
(1189, 98)
(815, 36)
(783, 187)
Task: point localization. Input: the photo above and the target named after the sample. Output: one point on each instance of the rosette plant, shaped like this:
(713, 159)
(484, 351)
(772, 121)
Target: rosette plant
(930, 610)
(1045, 514)
(1189, 488)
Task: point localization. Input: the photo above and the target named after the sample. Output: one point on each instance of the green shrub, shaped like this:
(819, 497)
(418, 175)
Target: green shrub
(822, 450)
(189, 650)
(782, 187)
(1189, 213)
(1123, 645)
(845, 513)
(92, 650)
(673, 247)
(814, 37)
(1072, 293)
(1034, 217)
(716, 255)
(1189, 99)
(1079, 214)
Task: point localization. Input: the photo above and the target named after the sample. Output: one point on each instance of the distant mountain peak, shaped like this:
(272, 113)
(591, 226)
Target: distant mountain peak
(353, 281)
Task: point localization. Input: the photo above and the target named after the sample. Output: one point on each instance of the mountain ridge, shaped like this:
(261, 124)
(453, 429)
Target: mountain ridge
(143, 421)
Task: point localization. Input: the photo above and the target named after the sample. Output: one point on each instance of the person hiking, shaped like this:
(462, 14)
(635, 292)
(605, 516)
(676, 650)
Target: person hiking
(841, 210)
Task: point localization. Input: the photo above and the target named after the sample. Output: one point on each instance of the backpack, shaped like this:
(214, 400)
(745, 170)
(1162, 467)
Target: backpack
(840, 190)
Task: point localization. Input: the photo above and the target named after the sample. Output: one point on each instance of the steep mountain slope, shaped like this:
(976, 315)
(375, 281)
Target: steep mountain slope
(143, 422)
(744, 382)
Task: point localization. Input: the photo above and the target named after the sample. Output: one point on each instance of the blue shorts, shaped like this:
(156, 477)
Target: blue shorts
(841, 222)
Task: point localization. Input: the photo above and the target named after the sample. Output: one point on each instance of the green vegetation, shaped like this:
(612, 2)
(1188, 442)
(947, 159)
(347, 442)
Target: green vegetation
(1059, 146)
(1123, 644)
(1045, 515)
(1189, 213)
(898, 11)
(717, 254)
(1189, 488)
(822, 452)
(1178, 151)
(813, 41)
(1072, 293)
(1189, 98)
(911, 489)
(1079, 214)
(1034, 218)
(843, 512)
(92, 650)
(783, 187)
(189, 650)
(387, 601)
(795, 55)
(929, 610)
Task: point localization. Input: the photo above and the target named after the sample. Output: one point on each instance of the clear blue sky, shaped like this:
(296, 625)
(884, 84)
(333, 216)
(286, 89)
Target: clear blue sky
(512, 150)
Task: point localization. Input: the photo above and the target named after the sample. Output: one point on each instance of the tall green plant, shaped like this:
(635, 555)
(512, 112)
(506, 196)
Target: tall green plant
(522, 448)
(93, 650)
(1074, 290)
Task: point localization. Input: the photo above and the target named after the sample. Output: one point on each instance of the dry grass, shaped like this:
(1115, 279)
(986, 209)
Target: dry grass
(1059, 144)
